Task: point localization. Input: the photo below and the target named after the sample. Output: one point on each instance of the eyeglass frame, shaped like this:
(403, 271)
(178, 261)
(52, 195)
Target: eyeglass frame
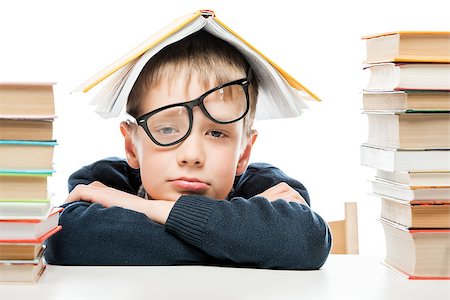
(189, 105)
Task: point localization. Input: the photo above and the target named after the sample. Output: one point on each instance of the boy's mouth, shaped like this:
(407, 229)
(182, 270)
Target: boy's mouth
(192, 185)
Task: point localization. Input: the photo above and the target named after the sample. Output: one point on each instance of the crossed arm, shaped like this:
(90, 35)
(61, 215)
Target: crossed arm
(266, 224)
(158, 210)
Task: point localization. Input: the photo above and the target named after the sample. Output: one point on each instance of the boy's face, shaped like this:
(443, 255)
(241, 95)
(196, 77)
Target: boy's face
(205, 163)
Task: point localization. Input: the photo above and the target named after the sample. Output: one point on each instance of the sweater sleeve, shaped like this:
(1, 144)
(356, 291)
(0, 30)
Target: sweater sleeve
(254, 231)
(95, 235)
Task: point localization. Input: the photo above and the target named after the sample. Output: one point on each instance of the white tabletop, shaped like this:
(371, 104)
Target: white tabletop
(342, 277)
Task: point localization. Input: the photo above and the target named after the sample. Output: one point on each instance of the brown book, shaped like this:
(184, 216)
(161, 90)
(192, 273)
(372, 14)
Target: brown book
(26, 155)
(411, 131)
(419, 253)
(17, 98)
(21, 186)
(408, 46)
(407, 101)
(20, 251)
(26, 129)
(416, 214)
(24, 250)
(21, 271)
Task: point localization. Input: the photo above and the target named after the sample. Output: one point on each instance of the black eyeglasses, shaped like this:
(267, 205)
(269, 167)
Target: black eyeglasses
(224, 104)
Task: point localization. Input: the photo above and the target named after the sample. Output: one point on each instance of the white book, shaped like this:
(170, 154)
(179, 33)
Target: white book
(405, 160)
(416, 178)
(24, 210)
(408, 76)
(409, 193)
(28, 229)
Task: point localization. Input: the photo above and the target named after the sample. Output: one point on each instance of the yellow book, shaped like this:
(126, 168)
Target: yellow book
(280, 95)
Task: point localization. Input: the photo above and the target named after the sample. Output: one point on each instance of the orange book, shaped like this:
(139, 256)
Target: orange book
(280, 95)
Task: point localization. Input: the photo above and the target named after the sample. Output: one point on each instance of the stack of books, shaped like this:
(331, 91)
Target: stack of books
(27, 218)
(407, 102)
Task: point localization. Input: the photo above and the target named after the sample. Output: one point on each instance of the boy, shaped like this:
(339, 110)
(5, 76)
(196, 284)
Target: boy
(186, 194)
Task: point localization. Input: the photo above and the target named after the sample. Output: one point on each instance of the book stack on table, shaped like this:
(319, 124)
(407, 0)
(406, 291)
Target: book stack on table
(407, 103)
(27, 217)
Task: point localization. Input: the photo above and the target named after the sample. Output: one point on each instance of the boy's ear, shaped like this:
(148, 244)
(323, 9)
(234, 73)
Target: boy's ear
(130, 149)
(244, 159)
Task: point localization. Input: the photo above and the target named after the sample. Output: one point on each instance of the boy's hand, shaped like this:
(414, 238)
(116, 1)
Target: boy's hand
(283, 191)
(97, 192)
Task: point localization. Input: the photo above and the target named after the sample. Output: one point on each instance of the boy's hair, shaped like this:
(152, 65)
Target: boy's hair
(213, 59)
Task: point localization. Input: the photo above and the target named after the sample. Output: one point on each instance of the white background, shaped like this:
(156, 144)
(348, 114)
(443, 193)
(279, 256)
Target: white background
(318, 42)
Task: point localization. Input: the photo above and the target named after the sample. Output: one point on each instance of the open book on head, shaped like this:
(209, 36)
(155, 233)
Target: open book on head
(280, 95)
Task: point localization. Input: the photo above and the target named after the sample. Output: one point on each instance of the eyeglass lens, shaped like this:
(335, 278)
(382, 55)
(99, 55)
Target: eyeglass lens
(223, 105)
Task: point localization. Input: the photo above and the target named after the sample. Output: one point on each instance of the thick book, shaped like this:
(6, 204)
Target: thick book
(408, 46)
(411, 131)
(22, 271)
(26, 155)
(394, 160)
(410, 193)
(416, 213)
(280, 95)
(408, 76)
(39, 128)
(26, 98)
(420, 253)
(415, 178)
(27, 230)
(24, 186)
(407, 101)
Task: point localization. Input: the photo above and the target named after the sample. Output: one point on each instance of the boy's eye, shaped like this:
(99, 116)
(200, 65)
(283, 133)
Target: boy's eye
(216, 133)
(167, 130)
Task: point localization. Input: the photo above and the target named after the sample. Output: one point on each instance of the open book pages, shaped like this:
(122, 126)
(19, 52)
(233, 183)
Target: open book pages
(280, 95)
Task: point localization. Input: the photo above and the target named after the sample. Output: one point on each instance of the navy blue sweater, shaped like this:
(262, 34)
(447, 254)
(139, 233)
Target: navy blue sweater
(246, 230)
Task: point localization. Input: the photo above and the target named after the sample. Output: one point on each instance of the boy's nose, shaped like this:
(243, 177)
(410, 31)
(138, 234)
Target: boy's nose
(190, 151)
